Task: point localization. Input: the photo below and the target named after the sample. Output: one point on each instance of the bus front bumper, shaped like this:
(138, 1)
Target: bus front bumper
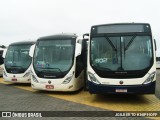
(52, 87)
(121, 89)
(17, 80)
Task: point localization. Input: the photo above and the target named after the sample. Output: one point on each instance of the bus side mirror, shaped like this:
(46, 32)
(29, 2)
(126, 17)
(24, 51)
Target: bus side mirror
(4, 53)
(31, 51)
(78, 49)
(86, 34)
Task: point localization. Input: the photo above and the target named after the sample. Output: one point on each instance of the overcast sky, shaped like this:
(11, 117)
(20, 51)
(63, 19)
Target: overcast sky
(31, 19)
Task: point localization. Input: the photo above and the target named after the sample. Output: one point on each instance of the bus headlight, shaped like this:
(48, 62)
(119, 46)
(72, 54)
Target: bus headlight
(34, 79)
(27, 74)
(68, 79)
(150, 78)
(93, 78)
(4, 74)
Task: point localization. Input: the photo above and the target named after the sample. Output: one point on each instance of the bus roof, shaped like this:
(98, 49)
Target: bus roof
(3, 46)
(58, 36)
(23, 43)
(119, 28)
(122, 24)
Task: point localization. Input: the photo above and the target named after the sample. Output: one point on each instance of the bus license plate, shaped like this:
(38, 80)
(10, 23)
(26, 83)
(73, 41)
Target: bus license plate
(49, 86)
(121, 90)
(14, 79)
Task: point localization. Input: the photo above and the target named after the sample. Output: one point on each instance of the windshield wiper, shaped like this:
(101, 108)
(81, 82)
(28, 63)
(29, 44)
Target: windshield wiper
(112, 45)
(109, 41)
(53, 68)
(16, 66)
(130, 42)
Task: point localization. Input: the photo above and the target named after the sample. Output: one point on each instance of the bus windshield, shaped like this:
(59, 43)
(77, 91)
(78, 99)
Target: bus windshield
(53, 56)
(121, 53)
(18, 57)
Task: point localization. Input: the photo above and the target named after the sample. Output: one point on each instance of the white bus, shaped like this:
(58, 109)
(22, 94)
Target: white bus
(2, 48)
(158, 60)
(121, 59)
(17, 62)
(57, 63)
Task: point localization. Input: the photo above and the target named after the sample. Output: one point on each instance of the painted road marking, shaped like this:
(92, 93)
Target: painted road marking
(109, 102)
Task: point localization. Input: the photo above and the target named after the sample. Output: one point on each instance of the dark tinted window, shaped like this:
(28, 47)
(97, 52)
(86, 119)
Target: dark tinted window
(115, 53)
(54, 58)
(18, 56)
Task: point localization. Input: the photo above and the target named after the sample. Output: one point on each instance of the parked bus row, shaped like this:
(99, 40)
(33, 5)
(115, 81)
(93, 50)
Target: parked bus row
(114, 58)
